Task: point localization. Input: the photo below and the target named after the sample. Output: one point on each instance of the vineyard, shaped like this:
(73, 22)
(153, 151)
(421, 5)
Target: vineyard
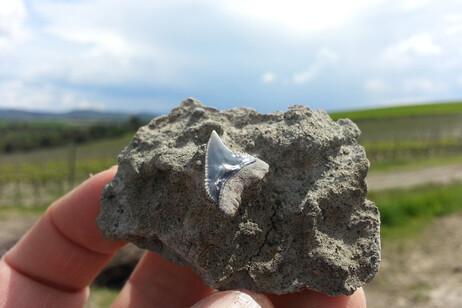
(394, 140)
(39, 177)
(392, 137)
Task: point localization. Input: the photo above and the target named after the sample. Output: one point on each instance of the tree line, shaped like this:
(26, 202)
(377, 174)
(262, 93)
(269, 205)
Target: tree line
(27, 136)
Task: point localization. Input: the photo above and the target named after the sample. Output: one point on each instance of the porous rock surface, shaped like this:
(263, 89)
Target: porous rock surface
(306, 225)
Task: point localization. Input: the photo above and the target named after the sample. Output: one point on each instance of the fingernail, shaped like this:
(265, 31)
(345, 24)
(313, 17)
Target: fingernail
(244, 300)
(232, 299)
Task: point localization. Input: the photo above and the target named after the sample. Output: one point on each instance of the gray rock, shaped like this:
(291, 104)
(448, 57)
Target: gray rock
(305, 225)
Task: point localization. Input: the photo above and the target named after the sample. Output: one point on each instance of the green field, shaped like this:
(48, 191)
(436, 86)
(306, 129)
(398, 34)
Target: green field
(406, 211)
(397, 136)
(401, 111)
(40, 176)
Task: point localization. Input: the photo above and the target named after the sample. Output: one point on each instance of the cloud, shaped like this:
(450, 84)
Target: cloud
(420, 45)
(13, 14)
(300, 15)
(408, 51)
(151, 54)
(116, 44)
(376, 85)
(19, 95)
(15, 94)
(87, 105)
(268, 77)
(101, 42)
(454, 22)
(414, 4)
(306, 75)
(324, 57)
(327, 56)
(423, 85)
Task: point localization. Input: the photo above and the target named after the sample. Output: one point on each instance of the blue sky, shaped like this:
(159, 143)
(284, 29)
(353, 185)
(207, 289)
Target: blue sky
(146, 55)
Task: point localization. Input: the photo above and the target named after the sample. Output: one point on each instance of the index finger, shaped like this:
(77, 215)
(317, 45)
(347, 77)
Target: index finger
(64, 250)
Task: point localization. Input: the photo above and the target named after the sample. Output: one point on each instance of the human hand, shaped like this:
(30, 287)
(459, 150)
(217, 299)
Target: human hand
(55, 262)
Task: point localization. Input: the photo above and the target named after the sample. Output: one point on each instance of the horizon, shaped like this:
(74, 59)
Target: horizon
(122, 112)
(57, 56)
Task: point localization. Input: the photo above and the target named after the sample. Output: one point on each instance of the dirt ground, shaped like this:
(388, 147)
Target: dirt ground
(410, 178)
(422, 271)
(425, 270)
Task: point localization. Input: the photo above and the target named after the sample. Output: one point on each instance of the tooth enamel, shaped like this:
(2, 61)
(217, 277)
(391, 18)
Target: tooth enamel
(223, 182)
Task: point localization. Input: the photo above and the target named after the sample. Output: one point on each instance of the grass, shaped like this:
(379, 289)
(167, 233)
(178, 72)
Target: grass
(36, 209)
(398, 137)
(52, 170)
(401, 136)
(101, 297)
(57, 164)
(7, 211)
(414, 163)
(405, 212)
(41, 176)
(108, 148)
(401, 111)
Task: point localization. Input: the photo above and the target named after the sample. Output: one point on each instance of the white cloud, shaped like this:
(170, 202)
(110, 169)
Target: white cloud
(87, 105)
(415, 4)
(376, 85)
(20, 95)
(268, 77)
(300, 15)
(306, 75)
(116, 43)
(15, 94)
(454, 26)
(423, 85)
(324, 57)
(453, 29)
(102, 42)
(81, 53)
(13, 15)
(70, 100)
(420, 45)
(406, 52)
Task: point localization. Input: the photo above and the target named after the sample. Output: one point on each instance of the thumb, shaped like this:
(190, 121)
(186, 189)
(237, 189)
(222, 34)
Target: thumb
(235, 299)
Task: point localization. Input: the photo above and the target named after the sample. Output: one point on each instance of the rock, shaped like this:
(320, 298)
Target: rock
(302, 223)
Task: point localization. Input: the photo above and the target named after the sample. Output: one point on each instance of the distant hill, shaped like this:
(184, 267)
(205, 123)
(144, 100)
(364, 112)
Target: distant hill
(75, 115)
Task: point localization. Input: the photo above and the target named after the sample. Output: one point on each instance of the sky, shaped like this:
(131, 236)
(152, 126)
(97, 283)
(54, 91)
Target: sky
(149, 55)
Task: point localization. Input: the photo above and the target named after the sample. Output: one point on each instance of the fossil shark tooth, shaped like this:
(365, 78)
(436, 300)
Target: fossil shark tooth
(228, 173)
